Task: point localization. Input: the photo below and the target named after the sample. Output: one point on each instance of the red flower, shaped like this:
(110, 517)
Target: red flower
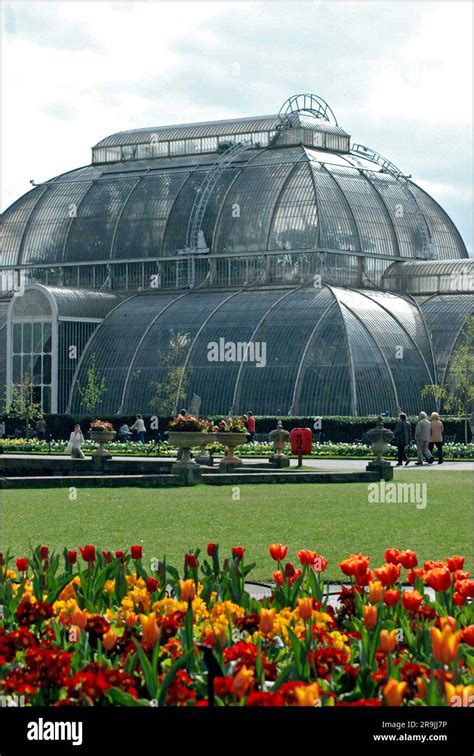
(291, 575)
(88, 553)
(390, 597)
(107, 556)
(22, 564)
(455, 563)
(151, 585)
(465, 588)
(413, 574)
(211, 549)
(238, 552)
(120, 555)
(412, 600)
(264, 698)
(439, 578)
(278, 577)
(391, 556)
(277, 551)
(458, 599)
(408, 559)
(306, 556)
(71, 557)
(44, 552)
(388, 573)
(355, 564)
(191, 561)
(319, 563)
(468, 635)
(364, 579)
(136, 552)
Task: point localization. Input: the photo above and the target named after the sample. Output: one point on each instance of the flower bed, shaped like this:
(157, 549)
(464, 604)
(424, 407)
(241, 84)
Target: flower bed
(323, 450)
(104, 629)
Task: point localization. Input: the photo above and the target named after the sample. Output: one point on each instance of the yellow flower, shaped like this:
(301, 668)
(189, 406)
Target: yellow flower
(79, 617)
(462, 693)
(445, 644)
(149, 628)
(388, 640)
(370, 616)
(69, 591)
(393, 692)
(307, 695)
(376, 592)
(188, 590)
(109, 586)
(267, 618)
(168, 606)
(109, 640)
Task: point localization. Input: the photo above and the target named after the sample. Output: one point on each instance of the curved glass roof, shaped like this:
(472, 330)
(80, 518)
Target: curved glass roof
(327, 351)
(445, 315)
(63, 303)
(292, 198)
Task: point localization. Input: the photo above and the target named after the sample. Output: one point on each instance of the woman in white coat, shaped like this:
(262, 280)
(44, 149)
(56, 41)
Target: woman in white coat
(76, 439)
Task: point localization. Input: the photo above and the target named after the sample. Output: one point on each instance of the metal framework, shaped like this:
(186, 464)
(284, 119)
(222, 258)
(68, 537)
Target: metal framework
(389, 167)
(306, 103)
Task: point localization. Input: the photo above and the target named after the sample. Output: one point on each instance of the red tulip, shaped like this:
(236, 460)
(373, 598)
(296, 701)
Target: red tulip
(211, 549)
(465, 588)
(319, 563)
(88, 553)
(412, 600)
(238, 552)
(390, 596)
(364, 579)
(277, 551)
(71, 557)
(458, 599)
(306, 556)
(22, 564)
(136, 552)
(455, 563)
(468, 635)
(191, 561)
(278, 577)
(388, 573)
(413, 574)
(391, 556)
(151, 584)
(44, 552)
(120, 555)
(107, 557)
(407, 559)
(439, 578)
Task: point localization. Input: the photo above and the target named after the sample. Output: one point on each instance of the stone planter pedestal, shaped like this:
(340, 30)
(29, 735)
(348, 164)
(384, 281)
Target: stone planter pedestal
(101, 438)
(187, 467)
(279, 438)
(379, 438)
(231, 441)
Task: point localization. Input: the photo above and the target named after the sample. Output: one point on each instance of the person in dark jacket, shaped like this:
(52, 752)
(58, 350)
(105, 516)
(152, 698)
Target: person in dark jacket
(401, 436)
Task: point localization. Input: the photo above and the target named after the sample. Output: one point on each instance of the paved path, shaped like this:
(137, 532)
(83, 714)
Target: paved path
(260, 590)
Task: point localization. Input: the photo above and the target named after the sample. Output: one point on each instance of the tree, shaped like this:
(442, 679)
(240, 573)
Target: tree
(457, 394)
(92, 393)
(173, 391)
(22, 405)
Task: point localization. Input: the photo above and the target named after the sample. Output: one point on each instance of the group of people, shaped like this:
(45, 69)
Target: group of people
(428, 434)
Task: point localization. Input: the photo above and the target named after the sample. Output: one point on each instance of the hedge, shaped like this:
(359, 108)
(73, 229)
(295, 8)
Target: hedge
(334, 429)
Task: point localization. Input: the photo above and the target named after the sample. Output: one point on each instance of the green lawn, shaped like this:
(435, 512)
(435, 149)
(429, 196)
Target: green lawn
(332, 519)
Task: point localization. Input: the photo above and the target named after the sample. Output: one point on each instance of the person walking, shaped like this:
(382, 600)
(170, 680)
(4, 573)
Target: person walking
(436, 436)
(422, 437)
(2, 429)
(139, 427)
(250, 427)
(76, 439)
(401, 436)
(41, 428)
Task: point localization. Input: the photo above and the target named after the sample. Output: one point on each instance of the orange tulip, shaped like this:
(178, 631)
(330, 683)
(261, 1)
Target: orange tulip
(306, 556)
(109, 640)
(390, 596)
(131, 619)
(421, 686)
(459, 695)
(412, 600)
(388, 640)
(439, 578)
(370, 616)
(393, 692)
(443, 621)
(79, 618)
(375, 592)
(445, 644)
(468, 635)
(149, 628)
(455, 563)
(242, 681)
(267, 619)
(407, 559)
(278, 551)
(307, 695)
(305, 608)
(188, 590)
(388, 573)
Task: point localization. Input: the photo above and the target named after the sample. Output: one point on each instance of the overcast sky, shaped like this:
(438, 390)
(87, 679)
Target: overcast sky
(397, 75)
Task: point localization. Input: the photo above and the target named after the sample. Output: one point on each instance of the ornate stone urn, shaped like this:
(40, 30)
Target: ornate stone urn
(279, 438)
(186, 440)
(379, 438)
(231, 440)
(102, 438)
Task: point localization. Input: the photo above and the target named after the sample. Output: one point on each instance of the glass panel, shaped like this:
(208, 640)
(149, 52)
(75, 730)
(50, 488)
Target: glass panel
(46, 399)
(17, 338)
(27, 336)
(46, 368)
(37, 369)
(16, 369)
(46, 337)
(37, 337)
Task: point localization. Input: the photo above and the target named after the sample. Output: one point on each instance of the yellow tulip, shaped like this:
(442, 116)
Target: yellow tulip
(445, 644)
(242, 681)
(149, 628)
(188, 590)
(421, 686)
(109, 640)
(393, 692)
(131, 619)
(443, 621)
(388, 640)
(370, 616)
(307, 695)
(376, 592)
(79, 618)
(454, 693)
(267, 618)
(305, 608)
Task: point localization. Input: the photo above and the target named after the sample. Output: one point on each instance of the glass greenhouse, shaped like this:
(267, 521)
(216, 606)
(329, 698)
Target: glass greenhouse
(277, 233)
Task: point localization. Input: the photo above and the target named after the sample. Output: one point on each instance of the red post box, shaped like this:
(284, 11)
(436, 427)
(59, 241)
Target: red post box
(301, 442)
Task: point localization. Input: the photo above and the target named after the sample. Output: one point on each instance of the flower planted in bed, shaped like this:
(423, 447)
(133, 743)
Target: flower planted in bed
(103, 433)
(187, 431)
